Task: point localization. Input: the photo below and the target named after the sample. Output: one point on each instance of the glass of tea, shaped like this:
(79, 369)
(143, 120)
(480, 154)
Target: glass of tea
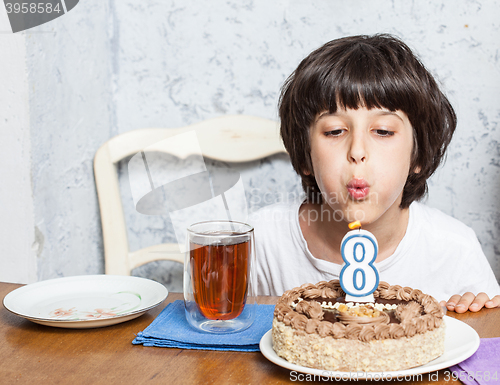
(219, 287)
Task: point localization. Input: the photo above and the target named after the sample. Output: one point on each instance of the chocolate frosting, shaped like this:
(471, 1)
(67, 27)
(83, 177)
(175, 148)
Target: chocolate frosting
(339, 330)
(419, 314)
(311, 309)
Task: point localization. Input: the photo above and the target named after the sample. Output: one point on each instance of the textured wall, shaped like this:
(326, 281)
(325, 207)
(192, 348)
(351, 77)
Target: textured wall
(69, 63)
(17, 257)
(110, 67)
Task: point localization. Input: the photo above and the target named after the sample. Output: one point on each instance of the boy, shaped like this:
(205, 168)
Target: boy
(366, 125)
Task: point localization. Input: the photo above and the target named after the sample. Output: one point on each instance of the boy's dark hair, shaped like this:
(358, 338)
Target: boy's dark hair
(377, 71)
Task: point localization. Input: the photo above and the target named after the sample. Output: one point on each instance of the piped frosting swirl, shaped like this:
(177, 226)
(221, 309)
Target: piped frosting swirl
(299, 309)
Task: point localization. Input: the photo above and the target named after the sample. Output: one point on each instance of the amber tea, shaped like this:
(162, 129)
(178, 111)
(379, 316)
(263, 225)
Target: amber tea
(219, 273)
(219, 276)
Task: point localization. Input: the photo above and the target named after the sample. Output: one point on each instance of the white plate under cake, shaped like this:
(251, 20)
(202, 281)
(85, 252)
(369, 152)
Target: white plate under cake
(313, 326)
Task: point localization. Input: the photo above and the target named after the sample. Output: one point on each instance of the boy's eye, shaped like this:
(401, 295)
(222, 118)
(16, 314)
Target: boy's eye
(335, 132)
(381, 132)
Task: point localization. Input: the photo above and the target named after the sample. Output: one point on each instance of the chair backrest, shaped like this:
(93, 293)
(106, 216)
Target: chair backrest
(234, 138)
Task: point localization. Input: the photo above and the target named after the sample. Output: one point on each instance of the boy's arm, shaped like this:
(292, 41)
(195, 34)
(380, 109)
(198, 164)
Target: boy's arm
(469, 301)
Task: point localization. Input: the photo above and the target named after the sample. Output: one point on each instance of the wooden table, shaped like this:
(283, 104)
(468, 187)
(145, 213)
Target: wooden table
(36, 354)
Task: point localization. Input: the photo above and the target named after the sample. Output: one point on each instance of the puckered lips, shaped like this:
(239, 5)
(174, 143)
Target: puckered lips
(358, 188)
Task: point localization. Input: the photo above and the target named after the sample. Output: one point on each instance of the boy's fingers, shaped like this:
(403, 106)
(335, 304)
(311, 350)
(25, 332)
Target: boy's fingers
(452, 302)
(478, 302)
(463, 304)
(494, 302)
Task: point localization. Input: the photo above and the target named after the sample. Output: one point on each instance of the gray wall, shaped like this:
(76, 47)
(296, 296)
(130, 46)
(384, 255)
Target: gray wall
(108, 67)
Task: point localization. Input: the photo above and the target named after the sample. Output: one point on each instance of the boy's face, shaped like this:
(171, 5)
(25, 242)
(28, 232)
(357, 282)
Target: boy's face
(361, 160)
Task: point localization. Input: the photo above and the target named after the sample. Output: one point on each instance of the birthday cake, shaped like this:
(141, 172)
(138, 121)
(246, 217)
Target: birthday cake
(314, 326)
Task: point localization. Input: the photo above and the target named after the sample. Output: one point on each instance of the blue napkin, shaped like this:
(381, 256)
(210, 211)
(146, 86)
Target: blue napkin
(483, 367)
(171, 330)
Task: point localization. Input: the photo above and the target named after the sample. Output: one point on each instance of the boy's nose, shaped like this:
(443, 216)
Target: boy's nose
(357, 152)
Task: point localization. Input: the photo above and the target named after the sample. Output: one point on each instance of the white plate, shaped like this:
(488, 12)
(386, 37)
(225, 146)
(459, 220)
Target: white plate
(86, 301)
(461, 342)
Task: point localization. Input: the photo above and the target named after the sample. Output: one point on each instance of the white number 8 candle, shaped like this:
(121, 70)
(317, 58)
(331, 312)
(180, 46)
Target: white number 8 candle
(359, 277)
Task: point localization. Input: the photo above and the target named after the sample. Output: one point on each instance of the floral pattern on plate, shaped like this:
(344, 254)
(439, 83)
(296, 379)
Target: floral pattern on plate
(97, 313)
(85, 301)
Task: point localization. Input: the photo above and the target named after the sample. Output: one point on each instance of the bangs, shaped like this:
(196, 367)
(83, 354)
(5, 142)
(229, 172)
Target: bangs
(364, 76)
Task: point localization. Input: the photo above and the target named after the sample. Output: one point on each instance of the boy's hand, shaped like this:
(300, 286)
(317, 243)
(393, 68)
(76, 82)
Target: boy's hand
(469, 301)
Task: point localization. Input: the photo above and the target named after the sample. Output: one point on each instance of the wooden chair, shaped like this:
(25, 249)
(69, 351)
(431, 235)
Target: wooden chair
(236, 138)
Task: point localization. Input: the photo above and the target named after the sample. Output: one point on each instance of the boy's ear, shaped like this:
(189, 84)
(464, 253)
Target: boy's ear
(308, 172)
(308, 169)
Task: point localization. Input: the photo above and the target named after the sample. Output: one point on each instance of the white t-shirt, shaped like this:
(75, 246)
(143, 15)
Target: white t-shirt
(438, 254)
